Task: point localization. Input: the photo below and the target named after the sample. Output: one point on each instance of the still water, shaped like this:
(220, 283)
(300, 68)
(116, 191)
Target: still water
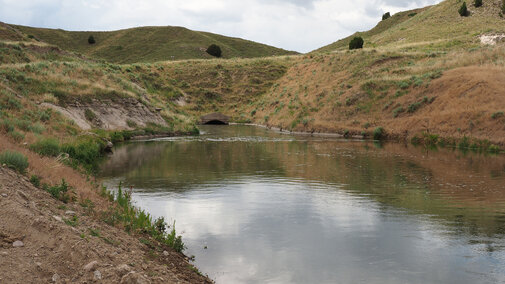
(255, 206)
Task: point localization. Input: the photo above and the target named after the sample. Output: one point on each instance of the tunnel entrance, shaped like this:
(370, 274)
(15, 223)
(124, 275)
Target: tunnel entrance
(215, 122)
(215, 119)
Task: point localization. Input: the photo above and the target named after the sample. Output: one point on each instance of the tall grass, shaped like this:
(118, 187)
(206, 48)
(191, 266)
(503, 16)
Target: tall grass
(14, 160)
(137, 220)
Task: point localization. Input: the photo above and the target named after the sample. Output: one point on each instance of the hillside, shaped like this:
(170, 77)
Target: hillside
(433, 28)
(150, 44)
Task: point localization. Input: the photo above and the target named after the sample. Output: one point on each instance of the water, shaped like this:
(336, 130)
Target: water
(255, 206)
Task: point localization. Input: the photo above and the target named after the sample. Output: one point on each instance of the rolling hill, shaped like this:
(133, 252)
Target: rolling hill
(149, 44)
(433, 28)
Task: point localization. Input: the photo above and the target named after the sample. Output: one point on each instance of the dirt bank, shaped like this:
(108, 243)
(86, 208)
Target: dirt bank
(41, 241)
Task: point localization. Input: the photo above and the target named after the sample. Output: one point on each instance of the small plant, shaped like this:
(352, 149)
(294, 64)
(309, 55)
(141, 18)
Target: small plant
(497, 115)
(356, 43)
(397, 111)
(477, 3)
(35, 180)
(91, 39)
(214, 50)
(386, 16)
(131, 123)
(378, 133)
(14, 160)
(74, 221)
(59, 192)
(463, 10)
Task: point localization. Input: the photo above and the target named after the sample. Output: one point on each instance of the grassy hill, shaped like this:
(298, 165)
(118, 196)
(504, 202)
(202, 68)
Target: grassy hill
(433, 28)
(150, 44)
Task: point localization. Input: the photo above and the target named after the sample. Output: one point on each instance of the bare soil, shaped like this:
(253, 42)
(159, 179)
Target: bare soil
(51, 249)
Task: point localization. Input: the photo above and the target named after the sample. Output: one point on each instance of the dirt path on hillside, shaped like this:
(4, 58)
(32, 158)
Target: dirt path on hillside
(38, 244)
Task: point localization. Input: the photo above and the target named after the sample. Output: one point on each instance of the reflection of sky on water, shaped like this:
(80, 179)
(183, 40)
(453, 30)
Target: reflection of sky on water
(274, 231)
(274, 209)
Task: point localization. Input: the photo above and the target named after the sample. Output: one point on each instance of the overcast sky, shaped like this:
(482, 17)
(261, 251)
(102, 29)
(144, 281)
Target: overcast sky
(300, 25)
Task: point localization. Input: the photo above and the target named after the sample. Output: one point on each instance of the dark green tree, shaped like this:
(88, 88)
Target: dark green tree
(356, 43)
(214, 50)
(477, 3)
(463, 10)
(386, 16)
(91, 40)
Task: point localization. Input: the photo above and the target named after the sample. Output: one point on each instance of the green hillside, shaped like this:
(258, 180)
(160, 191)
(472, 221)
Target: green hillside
(433, 28)
(150, 44)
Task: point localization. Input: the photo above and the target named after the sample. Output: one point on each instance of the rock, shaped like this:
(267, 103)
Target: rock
(165, 253)
(90, 266)
(109, 147)
(4, 195)
(58, 218)
(23, 195)
(38, 264)
(56, 278)
(18, 244)
(97, 275)
(134, 278)
(123, 269)
(69, 212)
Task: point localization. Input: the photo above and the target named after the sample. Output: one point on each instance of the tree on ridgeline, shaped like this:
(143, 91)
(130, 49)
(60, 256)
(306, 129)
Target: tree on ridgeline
(356, 43)
(477, 3)
(91, 40)
(463, 10)
(214, 50)
(386, 16)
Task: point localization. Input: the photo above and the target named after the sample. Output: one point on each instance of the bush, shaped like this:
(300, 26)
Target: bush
(503, 7)
(378, 133)
(463, 10)
(17, 136)
(46, 147)
(89, 115)
(497, 115)
(91, 40)
(386, 16)
(477, 3)
(58, 191)
(116, 137)
(35, 180)
(356, 43)
(214, 50)
(14, 160)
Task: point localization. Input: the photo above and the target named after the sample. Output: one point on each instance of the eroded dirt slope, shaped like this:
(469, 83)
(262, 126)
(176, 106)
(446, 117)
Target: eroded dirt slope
(39, 245)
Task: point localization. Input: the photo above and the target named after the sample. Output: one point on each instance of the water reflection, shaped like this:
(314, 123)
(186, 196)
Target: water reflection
(276, 208)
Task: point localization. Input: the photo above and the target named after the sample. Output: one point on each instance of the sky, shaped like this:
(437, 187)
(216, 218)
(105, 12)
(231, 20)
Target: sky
(299, 25)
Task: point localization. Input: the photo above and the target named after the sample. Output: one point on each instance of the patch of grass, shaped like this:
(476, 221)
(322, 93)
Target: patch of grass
(138, 221)
(397, 111)
(94, 232)
(89, 115)
(49, 147)
(16, 136)
(14, 160)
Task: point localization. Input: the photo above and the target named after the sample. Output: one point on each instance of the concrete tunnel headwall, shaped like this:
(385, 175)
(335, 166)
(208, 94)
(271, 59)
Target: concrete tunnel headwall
(215, 119)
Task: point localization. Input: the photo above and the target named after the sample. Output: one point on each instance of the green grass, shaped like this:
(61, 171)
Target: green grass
(60, 192)
(46, 147)
(151, 44)
(14, 160)
(135, 220)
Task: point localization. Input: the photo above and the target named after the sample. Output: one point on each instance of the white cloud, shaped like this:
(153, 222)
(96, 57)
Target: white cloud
(291, 24)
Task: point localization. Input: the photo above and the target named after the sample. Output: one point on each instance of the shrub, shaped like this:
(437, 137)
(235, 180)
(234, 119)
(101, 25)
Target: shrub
(59, 191)
(214, 50)
(16, 135)
(46, 147)
(378, 133)
(386, 16)
(116, 137)
(463, 10)
(86, 151)
(14, 160)
(356, 43)
(477, 3)
(503, 7)
(91, 40)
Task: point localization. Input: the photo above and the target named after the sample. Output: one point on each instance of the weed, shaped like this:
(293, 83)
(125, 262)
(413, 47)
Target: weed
(35, 180)
(14, 160)
(397, 111)
(16, 136)
(89, 115)
(59, 192)
(94, 232)
(74, 221)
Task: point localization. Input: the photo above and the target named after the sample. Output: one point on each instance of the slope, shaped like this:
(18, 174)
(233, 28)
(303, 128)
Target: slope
(150, 44)
(434, 28)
